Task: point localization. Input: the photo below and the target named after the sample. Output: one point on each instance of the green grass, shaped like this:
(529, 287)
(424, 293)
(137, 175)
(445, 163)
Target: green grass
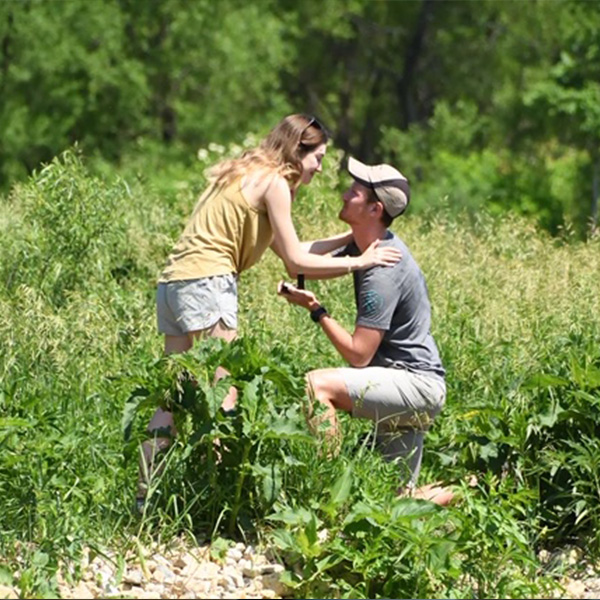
(516, 317)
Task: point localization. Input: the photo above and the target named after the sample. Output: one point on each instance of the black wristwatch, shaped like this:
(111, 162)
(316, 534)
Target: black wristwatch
(316, 314)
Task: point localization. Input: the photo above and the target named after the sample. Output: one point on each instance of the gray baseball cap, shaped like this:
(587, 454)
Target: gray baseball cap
(388, 184)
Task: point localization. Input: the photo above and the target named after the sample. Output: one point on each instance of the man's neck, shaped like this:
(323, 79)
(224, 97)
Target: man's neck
(365, 235)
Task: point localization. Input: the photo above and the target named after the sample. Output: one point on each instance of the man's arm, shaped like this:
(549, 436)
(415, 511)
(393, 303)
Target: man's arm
(356, 348)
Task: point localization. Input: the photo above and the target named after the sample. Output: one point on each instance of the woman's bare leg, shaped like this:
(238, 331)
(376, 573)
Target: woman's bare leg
(219, 330)
(162, 424)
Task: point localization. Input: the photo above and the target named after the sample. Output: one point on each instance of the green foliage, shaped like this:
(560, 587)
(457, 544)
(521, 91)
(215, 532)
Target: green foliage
(236, 463)
(73, 232)
(516, 320)
(470, 104)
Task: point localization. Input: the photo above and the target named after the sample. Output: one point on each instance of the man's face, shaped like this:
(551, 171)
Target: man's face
(356, 205)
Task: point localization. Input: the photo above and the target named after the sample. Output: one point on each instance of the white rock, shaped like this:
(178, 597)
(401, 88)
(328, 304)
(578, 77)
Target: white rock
(160, 559)
(235, 575)
(201, 588)
(110, 590)
(235, 554)
(104, 577)
(575, 589)
(323, 535)
(544, 556)
(206, 570)
(134, 577)
(271, 568)
(8, 592)
(154, 587)
(82, 591)
(146, 595)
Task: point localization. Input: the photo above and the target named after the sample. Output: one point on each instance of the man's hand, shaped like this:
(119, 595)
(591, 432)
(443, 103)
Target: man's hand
(292, 294)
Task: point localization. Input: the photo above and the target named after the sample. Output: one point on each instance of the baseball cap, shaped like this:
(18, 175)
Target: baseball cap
(388, 184)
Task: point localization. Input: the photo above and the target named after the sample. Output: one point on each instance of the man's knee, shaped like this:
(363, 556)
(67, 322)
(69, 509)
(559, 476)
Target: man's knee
(328, 387)
(317, 386)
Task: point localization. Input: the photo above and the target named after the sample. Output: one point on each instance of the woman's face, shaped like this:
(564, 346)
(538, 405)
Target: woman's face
(312, 163)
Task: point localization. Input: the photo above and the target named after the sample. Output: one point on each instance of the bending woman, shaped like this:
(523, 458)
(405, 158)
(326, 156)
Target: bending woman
(245, 209)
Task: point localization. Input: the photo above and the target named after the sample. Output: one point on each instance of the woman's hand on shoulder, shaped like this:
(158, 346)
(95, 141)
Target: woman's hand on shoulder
(383, 257)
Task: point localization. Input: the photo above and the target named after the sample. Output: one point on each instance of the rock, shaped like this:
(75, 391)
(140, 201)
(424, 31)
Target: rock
(575, 589)
(271, 568)
(151, 565)
(110, 590)
(134, 577)
(235, 554)
(271, 581)
(180, 572)
(7, 591)
(146, 595)
(199, 587)
(82, 591)
(206, 571)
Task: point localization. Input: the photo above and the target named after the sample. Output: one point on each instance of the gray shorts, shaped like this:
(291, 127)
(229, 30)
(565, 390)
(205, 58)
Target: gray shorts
(402, 405)
(196, 304)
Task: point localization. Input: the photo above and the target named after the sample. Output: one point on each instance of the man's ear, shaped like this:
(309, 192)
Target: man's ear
(377, 207)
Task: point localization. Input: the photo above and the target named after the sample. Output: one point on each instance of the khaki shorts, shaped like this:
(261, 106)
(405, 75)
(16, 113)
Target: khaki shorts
(402, 404)
(196, 304)
(395, 397)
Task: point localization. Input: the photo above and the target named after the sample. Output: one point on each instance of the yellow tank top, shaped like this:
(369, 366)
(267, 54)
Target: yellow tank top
(224, 235)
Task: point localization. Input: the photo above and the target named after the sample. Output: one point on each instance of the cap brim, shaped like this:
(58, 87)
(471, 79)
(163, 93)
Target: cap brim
(358, 170)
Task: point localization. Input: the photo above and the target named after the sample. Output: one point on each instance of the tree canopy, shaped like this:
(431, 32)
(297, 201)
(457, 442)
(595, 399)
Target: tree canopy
(493, 104)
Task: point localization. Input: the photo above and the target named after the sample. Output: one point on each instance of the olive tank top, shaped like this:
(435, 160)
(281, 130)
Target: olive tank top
(224, 235)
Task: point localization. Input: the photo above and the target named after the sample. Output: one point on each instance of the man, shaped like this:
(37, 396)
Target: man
(395, 377)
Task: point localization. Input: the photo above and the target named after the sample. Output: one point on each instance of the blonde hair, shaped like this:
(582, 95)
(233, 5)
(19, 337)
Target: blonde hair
(281, 152)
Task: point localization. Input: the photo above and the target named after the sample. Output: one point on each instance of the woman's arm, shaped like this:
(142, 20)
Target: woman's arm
(324, 275)
(278, 201)
(327, 245)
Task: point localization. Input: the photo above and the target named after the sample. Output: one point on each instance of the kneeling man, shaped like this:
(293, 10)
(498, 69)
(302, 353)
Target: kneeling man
(395, 377)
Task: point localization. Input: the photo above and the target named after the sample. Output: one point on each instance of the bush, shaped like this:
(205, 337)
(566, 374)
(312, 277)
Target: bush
(72, 234)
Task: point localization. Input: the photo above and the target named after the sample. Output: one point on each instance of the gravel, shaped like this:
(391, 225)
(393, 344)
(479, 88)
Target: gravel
(182, 571)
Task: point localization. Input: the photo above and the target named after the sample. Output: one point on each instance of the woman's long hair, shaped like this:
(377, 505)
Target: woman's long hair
(280, 152)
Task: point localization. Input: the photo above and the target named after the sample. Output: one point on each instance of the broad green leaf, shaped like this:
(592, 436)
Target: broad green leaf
(544, 380)
(282, 428)
(299, 516)
(271, 483)
(342, 487)
(6, 577)
(250, 398)
(488, 451)
(410, 508)
(362, 511)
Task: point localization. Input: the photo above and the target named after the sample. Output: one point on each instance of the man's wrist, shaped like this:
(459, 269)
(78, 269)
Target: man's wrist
(318, 313)
(313, 305)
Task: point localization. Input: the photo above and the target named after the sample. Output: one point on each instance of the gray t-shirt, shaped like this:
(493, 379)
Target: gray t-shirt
(395, 299)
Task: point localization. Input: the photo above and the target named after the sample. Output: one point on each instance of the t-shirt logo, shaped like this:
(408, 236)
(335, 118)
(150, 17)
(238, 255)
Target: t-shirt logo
(371, 303)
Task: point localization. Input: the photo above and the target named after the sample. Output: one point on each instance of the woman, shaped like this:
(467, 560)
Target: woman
(246, 208)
